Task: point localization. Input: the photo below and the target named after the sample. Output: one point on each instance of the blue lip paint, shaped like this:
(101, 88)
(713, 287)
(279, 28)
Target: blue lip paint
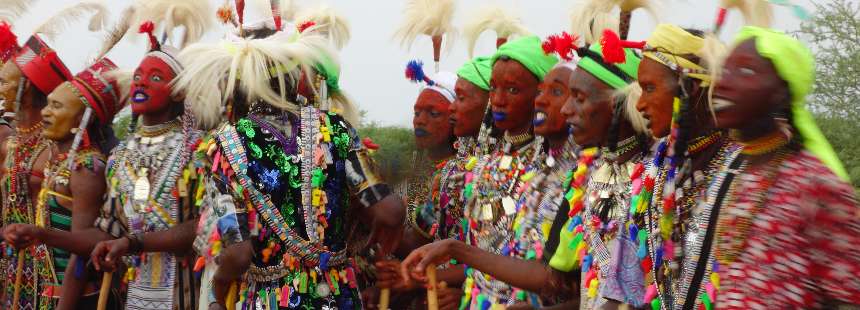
(538, 122)
(499, 116)
(421, 132)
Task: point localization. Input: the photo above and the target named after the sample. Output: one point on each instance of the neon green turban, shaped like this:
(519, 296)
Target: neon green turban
(795, 65)
(528, 52)
(477, 71)
(616, 76)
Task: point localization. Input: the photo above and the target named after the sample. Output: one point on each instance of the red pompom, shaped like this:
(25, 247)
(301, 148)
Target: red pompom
(613, 53)
(304, 26)
(148, 27)
(368, 143)
(8, 42)
(240, 10)
(562, 44)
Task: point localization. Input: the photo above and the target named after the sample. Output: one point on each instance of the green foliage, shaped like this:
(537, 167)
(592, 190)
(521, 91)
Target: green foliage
(833, 32)
(120, 126)
(395, 156)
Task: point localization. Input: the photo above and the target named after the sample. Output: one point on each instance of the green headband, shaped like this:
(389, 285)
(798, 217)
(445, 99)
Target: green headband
(528, 52)
(795, 65)
(616, 76)
(477, 71)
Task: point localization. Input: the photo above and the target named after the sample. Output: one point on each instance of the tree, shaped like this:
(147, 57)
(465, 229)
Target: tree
(833, 33)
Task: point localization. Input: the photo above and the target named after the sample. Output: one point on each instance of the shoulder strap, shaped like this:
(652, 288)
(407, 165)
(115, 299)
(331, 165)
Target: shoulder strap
(708, 241)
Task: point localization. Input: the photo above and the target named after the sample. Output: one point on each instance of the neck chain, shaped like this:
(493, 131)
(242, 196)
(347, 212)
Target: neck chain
(763, 145)
(519, 139)
(623, 147)
(27, 131)
(158, 129)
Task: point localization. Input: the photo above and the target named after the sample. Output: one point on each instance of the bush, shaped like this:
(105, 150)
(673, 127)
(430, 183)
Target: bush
(397, 151)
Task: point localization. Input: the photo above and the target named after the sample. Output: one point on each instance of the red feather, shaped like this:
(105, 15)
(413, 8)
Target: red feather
(8, 42)
(721, 17)
(304, 26)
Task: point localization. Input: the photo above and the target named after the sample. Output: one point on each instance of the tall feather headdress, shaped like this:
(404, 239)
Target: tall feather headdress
(52, 27)
(117, 32)
(327, 22)
(427, 17)
(590, 18)
(755, 12)
(505, 23)
(211, 75)
(10, 10)
(194, 16)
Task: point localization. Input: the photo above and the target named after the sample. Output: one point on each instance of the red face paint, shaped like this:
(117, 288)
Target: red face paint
(512, 95)
(150, 88)
(431, 121)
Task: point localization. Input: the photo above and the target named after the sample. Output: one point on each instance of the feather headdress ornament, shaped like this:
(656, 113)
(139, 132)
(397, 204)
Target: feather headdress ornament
(506, 25)
(12, 9)
(8, 42)
(755, 12)
(117, 32)
(55, 25)
(167, 15)
(427, 17)
(326, 21)
(592, 17)
(563, 44)
(212, 72)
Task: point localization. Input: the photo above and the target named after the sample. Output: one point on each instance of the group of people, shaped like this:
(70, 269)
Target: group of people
(583, 170)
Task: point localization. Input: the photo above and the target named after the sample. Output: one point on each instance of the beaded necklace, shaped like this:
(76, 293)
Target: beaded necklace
(493, 189)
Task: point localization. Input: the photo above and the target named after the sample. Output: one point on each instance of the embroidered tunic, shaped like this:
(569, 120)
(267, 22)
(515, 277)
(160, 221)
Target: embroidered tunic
(18, 208)
(285, 182)
(494, 211)
(801, 250)
(155, 280)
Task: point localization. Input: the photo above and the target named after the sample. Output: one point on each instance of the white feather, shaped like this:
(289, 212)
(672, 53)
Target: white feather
(328, 22)
(208, 64)
(194, 16)
(506, 25)
(10, 10)
(427, 17)
(55, 25)
(756, 12)
(590, 18)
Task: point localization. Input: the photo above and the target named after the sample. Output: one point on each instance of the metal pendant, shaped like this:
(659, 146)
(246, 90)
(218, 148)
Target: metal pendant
(141, 186)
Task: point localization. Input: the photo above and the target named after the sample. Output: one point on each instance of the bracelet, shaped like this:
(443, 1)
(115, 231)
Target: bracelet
(135, 243)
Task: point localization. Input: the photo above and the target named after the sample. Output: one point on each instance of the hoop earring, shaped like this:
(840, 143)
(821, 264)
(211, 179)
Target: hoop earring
(782, 124)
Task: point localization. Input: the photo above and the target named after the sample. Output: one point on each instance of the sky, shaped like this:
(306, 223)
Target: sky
(373, 62)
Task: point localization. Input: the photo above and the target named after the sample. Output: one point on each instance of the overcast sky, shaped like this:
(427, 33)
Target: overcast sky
(372, 62)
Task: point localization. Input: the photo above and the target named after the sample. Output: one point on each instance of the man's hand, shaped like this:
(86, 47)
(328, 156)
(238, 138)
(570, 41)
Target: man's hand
(107, 253)
(387, 218)
(449, 297)
(433, 254)
(388, 276)
(21, 235)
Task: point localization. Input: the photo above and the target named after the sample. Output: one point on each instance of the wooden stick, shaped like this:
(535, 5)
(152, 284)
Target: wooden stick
(432, 300)
(105, 290)
(19, 275)
(384, 297)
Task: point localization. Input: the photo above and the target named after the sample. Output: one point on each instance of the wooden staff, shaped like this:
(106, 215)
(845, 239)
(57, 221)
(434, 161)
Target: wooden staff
(384, 296)
(105, 290)
(19, 274)
(432, 300)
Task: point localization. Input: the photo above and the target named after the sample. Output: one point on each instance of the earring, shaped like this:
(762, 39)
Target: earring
(782, 123)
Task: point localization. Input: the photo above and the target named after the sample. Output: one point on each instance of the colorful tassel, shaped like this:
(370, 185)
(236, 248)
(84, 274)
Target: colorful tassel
(562, 44)
(415, 72)
(8, 42)
(613, 47)
(148, 28)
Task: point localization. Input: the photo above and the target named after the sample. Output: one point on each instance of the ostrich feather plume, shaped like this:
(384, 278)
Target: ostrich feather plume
(506, 24)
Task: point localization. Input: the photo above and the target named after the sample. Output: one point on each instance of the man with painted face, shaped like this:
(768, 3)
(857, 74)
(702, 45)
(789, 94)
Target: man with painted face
(78, 119)
(33, 72)
(590, 101)
(519, 66)
(689, 151)
(786, 201)
(151, 213)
